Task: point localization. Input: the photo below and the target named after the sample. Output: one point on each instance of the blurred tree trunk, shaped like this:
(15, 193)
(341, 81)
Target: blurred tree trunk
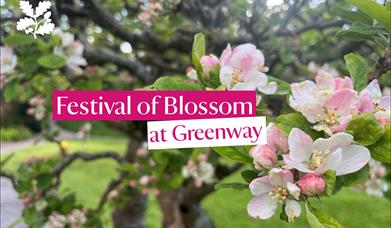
(182, 207)
(132, 214)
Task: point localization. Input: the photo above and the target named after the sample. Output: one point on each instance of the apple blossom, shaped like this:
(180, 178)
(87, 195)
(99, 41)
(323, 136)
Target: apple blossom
(8, 60)
(276, 139)
(372, 101)
(336, 153)
(76, 218)
(311, 184)
(144, 180)
(242, 69)
(202, 172)
(72, 49)
(268, 191)
(330, 102)
(56, 220)
(191, 73)
(375, 185)
(324, 70)
(263, 156)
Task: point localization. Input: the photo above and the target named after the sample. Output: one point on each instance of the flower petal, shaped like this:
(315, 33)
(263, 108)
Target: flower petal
(292, 210)
(262, 207)
(280, 177)
(226, 76)
(373, 90)
(336, 141)
(344, 101)
(300, 145)
(332, 161)
(293, 190)
(296, 165)
(260, 185)
(268, 88)
(354, 157)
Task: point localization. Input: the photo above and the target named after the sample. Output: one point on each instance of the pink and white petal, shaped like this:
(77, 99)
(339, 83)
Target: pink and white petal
(339, 127)
(336, 141)
(260, 185)
(268, 88)
(332, 161)
(262, 207)
(343, 101)
(293, 190)
(296, 165)
(343, 83)
(373, 90)
(366, 103)
(354, 157)
(300, 145)
(292, 209)
(325, 82)
(303, 92)
(312, 111)
(226, 76)
(225, 56)
(385, 102)
(280, 177)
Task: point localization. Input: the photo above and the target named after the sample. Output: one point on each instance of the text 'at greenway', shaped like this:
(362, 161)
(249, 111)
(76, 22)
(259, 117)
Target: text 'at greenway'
(207, 132)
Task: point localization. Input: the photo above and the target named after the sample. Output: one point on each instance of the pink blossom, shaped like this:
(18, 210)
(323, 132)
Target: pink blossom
(276, 139)
(263, 156)
(330, 102)
(324, 70)
(311, 184)
(371, 100)
(337, 153)
(144, 180)
(191, 73)
(8, 60)
(242, 69)
(270, 190)
(133, 183)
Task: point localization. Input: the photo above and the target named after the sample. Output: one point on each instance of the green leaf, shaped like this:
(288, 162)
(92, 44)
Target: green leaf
(52, 61)
(318, 219)
(381, 150)
(374, 10)
(44, 180)
(356, 178)
(174, 83)
(296, 120)
(11, 90)
(19, 39)
(237, 186)
(283, 87)
(330, 178)
(351, 16)
(358, 69)
(234, 153)
(198, 50)
(353, 36)
(214, 76)
(365, 129)
(249, 175)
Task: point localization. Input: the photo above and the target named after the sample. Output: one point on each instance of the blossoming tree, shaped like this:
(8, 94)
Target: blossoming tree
(323, 134)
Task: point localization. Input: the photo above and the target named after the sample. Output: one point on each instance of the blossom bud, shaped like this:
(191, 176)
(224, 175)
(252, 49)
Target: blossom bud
(263, 156)
(208, 62)
(133, 183)
(311, 184)
(276, 139)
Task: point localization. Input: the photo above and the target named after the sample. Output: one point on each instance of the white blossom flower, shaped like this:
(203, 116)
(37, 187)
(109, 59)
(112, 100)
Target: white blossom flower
(56, 220)
(72, 49)
(76, 218)
(32, 24)
(8, 60)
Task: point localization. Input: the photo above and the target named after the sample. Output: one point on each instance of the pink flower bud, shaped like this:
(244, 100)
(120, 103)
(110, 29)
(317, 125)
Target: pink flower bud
(133, 183)
(311, 184)
(207, 62)
(145, 191)
(144, 180)
(263, 156)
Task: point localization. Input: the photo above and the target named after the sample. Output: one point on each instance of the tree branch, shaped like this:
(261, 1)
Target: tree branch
(86, 157)
(113, 184)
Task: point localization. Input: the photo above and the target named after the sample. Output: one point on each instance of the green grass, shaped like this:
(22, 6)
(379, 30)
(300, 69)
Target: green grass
(98, 128)
(226, 207)
(14, 133)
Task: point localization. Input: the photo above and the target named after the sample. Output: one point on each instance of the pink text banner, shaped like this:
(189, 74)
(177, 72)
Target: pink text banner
(152, 105)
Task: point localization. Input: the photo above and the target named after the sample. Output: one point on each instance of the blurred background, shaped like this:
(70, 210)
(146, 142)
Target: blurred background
(128, 44)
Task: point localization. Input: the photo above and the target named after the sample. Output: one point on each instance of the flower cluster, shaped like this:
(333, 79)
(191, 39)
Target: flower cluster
(149, 12)
(37, 107)
(375, 185)
(8, 62)
(331, 102)
(301, 171)
(71, 49)
(76, 218)
(200, 170)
